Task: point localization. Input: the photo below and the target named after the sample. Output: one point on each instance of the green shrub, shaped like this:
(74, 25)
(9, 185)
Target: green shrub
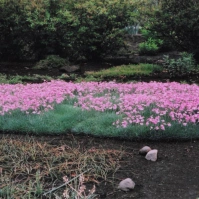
(180, 66)
(51, 61)
(125, 71)
(176, 22)
(76, 29)
(14, 32)
(4, 79)
(162, 45)
(149, 47)
(147, 34)
(89, 78)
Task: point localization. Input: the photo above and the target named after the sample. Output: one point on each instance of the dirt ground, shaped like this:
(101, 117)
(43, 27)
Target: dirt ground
(27, 68)
(175, 175)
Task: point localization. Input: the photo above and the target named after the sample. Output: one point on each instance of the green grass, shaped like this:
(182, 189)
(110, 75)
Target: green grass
(18, 79)
(66, 118)
(126, 70)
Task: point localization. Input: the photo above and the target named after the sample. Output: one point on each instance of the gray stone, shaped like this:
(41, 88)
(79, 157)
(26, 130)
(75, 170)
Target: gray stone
(144, 150)
(70, 69)
(152, 155)
(126, 184)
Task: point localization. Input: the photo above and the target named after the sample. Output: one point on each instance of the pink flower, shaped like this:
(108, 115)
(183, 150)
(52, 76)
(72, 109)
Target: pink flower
(173, 101)
(168, 124)
(157, 128)
(162, 127)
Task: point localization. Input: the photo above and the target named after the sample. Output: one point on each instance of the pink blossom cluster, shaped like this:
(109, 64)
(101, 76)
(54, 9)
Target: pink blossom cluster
(152, 104)
(165, 102)
(33, 98)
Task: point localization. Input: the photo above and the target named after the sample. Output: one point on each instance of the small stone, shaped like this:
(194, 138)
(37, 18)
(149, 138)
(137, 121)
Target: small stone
(126, 184)
(144, 150)
(152, 155)
(69, 68)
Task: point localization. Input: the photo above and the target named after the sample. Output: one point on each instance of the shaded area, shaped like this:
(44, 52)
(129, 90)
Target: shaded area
(26, 69)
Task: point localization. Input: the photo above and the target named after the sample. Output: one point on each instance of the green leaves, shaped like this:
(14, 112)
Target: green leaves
(74, 29)
(181, 66)
(150, 47)
(177, 23)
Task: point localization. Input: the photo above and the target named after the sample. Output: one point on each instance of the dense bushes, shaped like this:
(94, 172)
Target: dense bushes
(76, 29)
(13, 34)
(181, 66)
(177, 23)
(150, 46)
(51, 61)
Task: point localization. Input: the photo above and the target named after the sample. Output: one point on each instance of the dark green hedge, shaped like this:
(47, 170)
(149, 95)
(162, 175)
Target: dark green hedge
(70, 28)
(177, 23)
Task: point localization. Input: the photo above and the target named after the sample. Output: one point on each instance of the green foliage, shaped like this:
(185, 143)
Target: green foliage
(51, 61)
(10, 80)
(67, 118)
(126, 70)
(17, 79)
(13, 31)
(181, 66)
(75, 29)
(153, 38)
(150, 47)
(89, 78)
(177, 23)
(3, 79)
(146, 34)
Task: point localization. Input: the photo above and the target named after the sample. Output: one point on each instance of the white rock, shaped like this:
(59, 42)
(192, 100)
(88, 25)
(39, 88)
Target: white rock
(152, 155)
(144, 150)
(126, 184)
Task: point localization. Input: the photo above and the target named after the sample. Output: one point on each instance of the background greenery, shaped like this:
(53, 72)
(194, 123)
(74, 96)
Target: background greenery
(177, 23)
(75, 29)
(91, 29)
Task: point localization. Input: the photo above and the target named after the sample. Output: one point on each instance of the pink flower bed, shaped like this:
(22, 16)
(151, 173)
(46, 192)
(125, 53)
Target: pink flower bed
(165, 102)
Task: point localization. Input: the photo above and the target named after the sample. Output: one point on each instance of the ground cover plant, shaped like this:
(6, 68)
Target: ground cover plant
(16, 79)
(41, 169)
(185, 65)
(130, 70)
(134, 110)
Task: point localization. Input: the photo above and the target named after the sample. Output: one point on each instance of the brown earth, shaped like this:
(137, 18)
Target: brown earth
(175, 175)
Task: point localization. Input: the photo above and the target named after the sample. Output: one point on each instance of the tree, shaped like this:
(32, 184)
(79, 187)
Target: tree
(69, 28)
(177, 22)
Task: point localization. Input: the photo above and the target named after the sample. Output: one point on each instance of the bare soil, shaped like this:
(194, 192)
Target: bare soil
(175, 175)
